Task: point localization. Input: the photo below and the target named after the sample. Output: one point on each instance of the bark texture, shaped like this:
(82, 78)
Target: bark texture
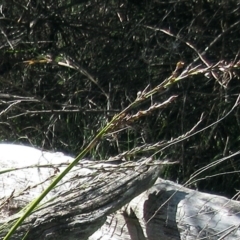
(81, 202)
(107, 201)
(170, 211)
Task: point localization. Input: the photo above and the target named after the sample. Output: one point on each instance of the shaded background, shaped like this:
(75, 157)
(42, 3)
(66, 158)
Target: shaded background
(118, 44)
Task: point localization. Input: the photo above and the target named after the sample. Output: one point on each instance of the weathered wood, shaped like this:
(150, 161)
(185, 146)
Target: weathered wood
(79, 205)
(170, 211)
(85, 205)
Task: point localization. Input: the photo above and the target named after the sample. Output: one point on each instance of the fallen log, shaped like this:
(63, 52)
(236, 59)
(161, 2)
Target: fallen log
(79, 205)
(107, 201)
(170, 211)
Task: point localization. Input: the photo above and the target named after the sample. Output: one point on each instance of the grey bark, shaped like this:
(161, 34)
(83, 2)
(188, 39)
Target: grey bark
(107, 201)
(170, 211)
(80, 204)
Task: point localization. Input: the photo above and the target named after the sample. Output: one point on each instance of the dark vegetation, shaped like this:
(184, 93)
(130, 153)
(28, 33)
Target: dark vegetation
(67, 67)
